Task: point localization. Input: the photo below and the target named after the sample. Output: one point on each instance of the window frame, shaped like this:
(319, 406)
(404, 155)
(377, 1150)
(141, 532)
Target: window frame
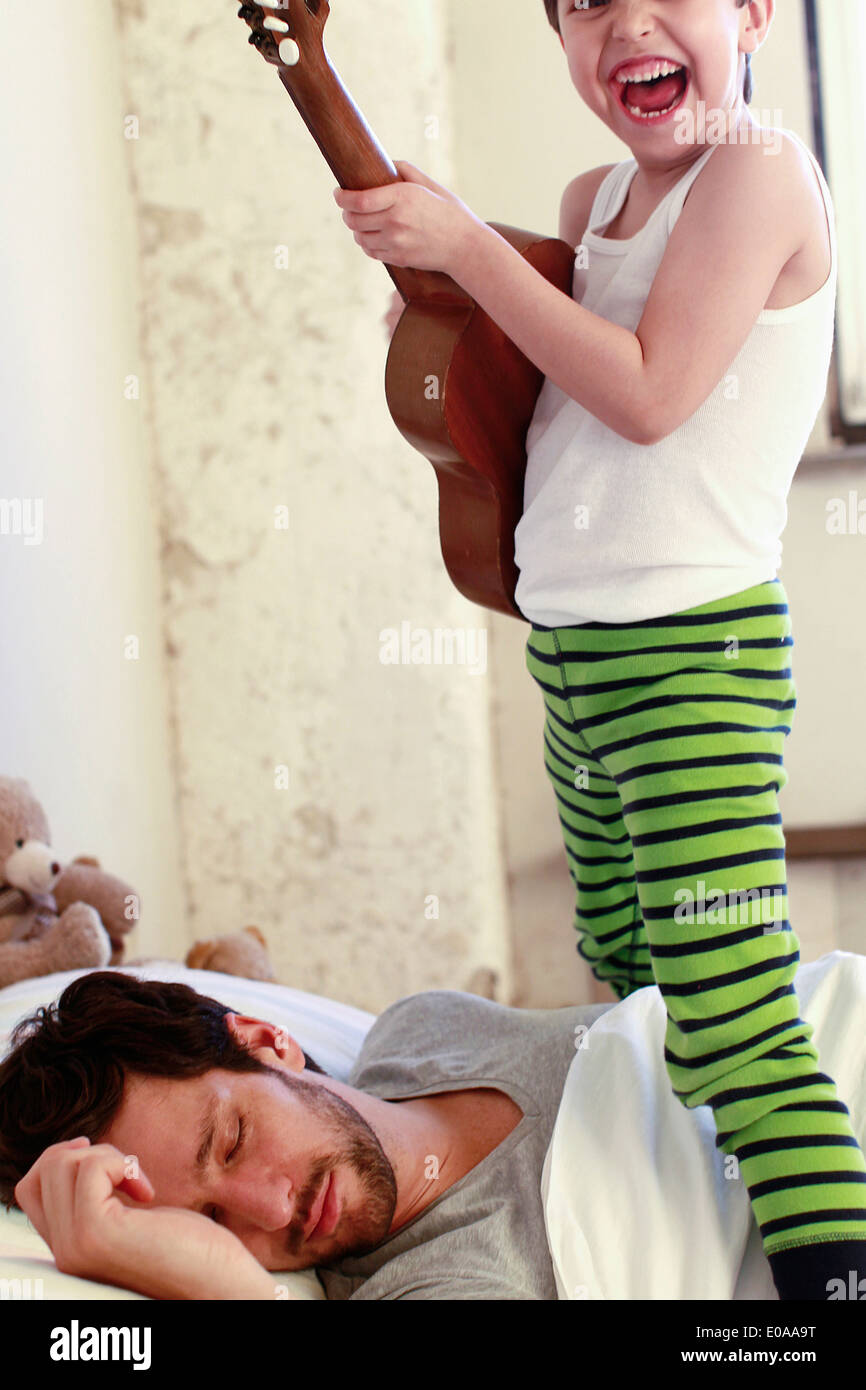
(842, 426)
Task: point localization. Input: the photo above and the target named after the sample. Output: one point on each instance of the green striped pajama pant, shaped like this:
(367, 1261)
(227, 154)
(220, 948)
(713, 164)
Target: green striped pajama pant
(663, 742)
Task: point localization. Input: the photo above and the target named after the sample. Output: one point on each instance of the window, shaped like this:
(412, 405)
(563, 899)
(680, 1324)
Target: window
(837, 55)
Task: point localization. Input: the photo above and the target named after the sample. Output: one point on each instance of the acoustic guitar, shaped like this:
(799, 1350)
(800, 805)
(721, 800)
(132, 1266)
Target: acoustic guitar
(458, 389)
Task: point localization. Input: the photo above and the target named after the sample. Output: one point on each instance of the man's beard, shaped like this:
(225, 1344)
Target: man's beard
(359, 1153)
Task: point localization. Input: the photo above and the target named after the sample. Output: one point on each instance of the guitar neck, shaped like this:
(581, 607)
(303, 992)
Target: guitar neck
(355, 157)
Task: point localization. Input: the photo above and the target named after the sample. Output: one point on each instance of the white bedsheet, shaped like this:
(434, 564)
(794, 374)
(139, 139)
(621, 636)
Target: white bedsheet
(329, 1032)
(636, 1202)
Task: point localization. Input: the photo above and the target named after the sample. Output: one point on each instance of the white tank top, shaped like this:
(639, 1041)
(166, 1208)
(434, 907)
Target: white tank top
(698, 516)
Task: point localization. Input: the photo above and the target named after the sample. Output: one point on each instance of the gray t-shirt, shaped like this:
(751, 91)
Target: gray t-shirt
(484, 1237)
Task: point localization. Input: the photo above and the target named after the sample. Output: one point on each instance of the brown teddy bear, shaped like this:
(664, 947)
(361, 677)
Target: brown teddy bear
(53, 918)
(242, 953)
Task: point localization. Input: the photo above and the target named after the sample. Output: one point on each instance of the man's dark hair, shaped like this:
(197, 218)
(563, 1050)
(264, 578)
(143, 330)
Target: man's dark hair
(65, 1073)
(552, 7)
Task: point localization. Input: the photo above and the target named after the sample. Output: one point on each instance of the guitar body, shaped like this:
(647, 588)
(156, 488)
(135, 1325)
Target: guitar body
(463, 394)
(458, 389)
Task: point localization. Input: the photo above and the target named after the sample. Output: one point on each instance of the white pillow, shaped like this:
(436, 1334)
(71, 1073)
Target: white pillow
(329, 1032)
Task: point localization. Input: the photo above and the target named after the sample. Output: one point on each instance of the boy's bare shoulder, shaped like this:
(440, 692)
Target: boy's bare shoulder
(577, 201)
(776, 163)
(777, 174)
(777, 177)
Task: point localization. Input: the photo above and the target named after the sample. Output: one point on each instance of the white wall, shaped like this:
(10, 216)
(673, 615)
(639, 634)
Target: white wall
(87, 727)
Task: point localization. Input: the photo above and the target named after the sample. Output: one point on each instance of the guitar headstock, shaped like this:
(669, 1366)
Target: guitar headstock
(282, 30)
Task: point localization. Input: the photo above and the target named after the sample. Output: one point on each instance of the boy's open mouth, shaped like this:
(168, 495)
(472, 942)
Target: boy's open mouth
(652, 91)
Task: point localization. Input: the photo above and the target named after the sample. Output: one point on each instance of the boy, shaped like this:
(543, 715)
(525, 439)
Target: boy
(682, 383)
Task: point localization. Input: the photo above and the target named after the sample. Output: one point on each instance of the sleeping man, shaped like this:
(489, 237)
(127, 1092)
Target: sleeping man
(161, 1142)
(218, 1150)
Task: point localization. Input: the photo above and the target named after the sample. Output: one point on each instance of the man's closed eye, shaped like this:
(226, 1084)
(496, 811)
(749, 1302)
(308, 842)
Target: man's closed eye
(230, 1156)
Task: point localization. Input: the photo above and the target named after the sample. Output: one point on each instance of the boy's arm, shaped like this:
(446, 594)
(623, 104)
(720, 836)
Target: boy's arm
(574, 212)
(745, 217)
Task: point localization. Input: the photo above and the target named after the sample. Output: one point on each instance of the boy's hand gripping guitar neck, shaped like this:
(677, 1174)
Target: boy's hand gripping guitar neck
(474, 430)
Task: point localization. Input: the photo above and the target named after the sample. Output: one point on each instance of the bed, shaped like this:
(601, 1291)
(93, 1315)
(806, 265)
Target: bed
(637, 1205)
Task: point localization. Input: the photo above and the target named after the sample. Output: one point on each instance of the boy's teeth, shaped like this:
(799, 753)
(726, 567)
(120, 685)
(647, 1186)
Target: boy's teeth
(649, 115)
(649, 74)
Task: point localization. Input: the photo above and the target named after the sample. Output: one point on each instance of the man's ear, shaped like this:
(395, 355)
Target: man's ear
(263, 1038)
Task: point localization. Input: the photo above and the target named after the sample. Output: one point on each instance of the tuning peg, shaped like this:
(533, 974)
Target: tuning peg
(289, 53)
(247, 12)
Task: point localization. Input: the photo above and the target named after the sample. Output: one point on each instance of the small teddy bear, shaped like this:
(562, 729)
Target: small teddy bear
(241, 953)
(53, 918)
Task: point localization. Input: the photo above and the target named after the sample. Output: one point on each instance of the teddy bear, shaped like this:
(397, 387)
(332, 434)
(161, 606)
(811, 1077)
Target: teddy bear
(51, 917)
(241, 953)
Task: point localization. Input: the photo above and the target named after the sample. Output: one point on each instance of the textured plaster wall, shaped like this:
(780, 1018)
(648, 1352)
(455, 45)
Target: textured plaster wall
(267, 393)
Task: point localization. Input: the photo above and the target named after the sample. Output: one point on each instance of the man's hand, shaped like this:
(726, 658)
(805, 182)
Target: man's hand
(71, 1197)
(414, 223)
